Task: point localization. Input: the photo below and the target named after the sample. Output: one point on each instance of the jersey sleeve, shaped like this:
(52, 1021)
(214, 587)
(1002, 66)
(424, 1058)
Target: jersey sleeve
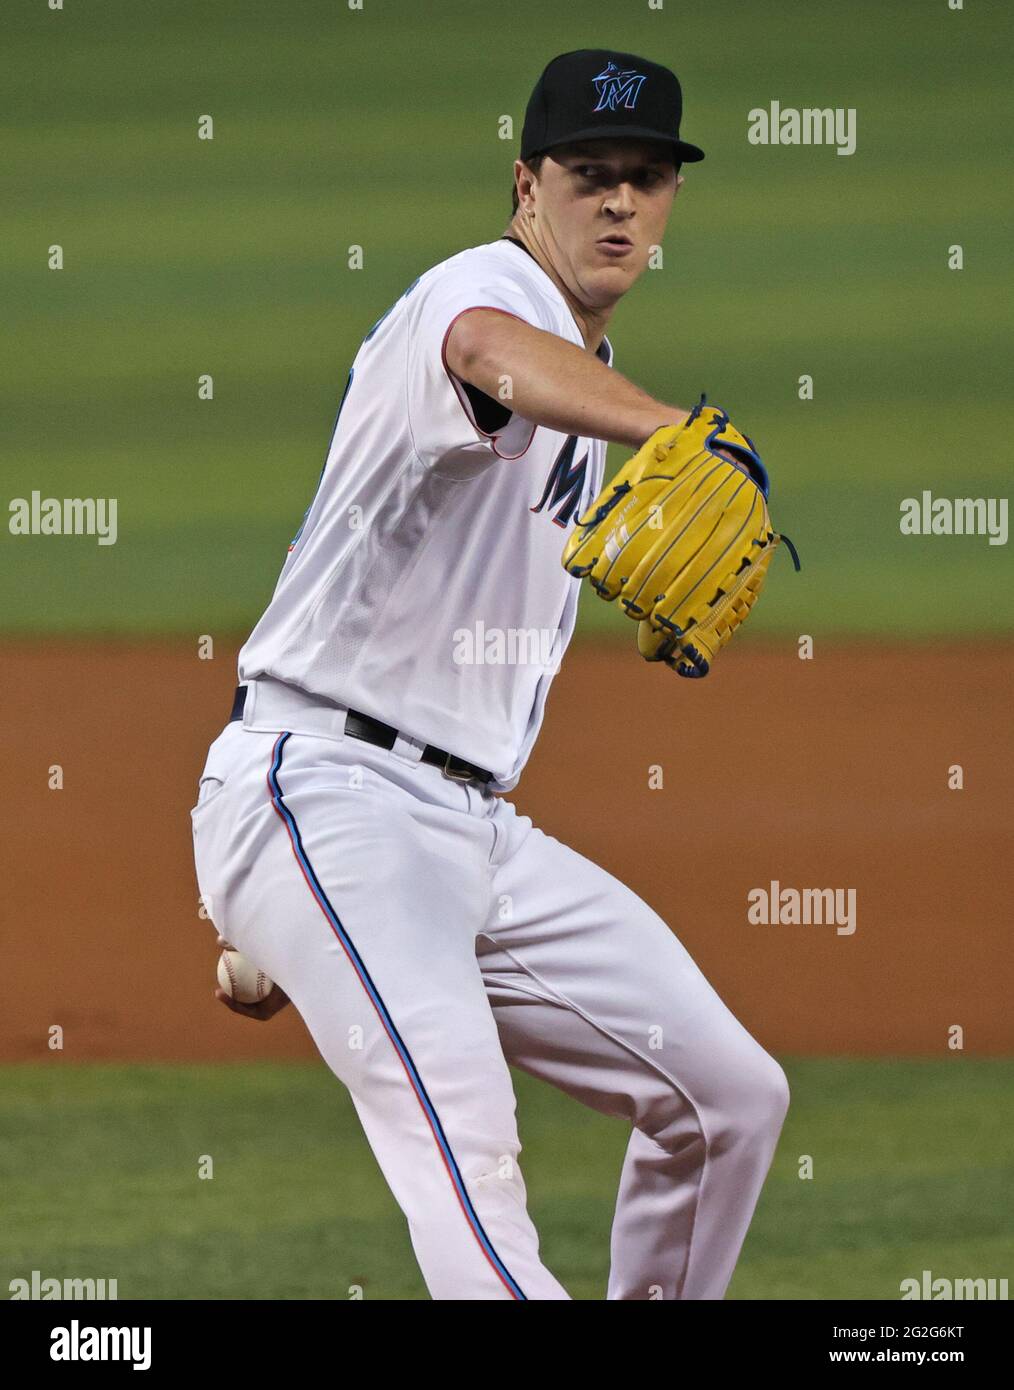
(445, 417)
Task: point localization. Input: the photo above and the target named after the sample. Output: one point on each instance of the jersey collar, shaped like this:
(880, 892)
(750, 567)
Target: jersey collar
(604, 352)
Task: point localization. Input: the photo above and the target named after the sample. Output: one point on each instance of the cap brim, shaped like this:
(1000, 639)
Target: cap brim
(684, 152)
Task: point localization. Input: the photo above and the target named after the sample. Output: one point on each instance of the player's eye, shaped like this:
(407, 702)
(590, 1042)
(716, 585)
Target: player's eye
(594, 172)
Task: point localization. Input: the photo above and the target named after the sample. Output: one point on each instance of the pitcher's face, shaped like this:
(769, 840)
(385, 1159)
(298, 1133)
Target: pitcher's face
(599, 206)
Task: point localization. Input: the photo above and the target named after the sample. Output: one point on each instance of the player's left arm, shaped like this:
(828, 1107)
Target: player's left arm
(552, 382)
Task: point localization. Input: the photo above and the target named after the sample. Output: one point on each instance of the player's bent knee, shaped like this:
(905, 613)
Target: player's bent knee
(752, 1104)
(770, 1099)
(777, 1089)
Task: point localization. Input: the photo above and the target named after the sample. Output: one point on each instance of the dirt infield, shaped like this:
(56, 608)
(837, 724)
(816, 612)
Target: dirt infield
(830, 773)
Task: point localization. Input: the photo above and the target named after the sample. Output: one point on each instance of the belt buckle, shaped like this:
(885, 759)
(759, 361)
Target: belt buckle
(459, 775)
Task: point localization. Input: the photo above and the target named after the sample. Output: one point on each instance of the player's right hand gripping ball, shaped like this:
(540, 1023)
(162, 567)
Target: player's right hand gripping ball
(683, 538)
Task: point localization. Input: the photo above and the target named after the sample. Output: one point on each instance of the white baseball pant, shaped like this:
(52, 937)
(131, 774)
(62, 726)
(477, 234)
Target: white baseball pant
(429, 935)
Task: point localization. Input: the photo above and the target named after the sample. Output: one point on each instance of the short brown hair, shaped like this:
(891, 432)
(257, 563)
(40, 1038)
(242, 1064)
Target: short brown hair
(535, 166)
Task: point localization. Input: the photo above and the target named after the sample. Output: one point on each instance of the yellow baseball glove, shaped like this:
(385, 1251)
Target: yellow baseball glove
(683, 538)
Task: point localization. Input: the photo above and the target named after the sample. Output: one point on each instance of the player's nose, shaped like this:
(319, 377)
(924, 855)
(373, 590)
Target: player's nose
(621, 200)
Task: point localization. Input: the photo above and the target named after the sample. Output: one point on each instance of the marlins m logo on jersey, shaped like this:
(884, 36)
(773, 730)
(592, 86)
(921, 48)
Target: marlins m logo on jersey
(615, 88)
(565, 483)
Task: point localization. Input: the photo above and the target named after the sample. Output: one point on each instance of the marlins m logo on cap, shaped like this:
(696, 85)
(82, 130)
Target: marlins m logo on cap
(636, 100)
(615, 86)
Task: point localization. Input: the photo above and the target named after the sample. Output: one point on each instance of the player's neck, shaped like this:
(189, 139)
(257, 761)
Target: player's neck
(591, 322)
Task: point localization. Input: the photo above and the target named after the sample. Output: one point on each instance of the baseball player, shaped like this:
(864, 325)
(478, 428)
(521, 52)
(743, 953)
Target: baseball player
(351, 834)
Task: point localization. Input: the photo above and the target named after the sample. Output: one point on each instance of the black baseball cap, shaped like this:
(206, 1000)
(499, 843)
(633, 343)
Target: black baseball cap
(597, 93)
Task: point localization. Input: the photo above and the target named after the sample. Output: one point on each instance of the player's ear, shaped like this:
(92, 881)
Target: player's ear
(522, 179)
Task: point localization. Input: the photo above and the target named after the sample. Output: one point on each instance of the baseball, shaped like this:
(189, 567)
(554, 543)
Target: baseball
(241, 979)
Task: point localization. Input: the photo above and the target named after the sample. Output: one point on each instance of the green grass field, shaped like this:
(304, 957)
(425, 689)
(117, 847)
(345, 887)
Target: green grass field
(912, 1171)
(379, 128)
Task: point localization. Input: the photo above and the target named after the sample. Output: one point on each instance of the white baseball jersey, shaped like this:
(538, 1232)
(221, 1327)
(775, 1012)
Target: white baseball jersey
(424, 587)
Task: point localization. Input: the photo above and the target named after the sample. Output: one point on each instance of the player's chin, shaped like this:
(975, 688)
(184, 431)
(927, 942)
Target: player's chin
(608, 282)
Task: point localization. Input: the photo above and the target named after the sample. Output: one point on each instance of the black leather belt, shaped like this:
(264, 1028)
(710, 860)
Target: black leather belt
(370, 730)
